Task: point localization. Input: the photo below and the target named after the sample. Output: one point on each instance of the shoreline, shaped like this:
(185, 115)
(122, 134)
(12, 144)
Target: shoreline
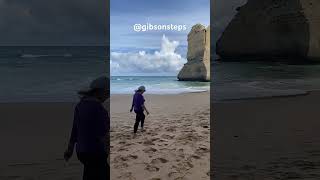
(289, 95)
(303, 93)
(169, 94)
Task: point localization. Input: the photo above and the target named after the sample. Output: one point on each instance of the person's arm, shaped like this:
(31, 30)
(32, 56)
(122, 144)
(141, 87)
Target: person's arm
(103, 122)
(103, 126)
(145, 108)
(73, 138)
(132, 105)
(143, 105)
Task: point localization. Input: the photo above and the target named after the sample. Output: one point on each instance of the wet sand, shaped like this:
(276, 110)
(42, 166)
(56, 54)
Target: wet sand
(266, 139)
(175, 144)
(33, 138)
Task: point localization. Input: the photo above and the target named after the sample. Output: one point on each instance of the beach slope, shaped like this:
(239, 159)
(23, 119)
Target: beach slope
(175, 144)
(270, 138)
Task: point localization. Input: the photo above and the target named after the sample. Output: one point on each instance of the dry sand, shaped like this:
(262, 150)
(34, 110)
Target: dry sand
(175, 144)
(267, 139)
(262, 139)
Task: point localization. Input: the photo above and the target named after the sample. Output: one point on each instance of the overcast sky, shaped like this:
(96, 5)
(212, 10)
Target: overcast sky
(126, 13)
(152, 52)
(53, 22)
(85, 22)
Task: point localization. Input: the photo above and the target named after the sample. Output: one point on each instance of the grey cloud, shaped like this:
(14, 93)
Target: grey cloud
(55, 22)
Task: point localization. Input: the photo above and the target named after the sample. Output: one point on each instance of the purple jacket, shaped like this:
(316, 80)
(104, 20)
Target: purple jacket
(138, 102)
(91, 126)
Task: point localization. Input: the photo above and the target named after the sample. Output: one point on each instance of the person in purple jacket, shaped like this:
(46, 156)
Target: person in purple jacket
(90, 131)
(139, 107)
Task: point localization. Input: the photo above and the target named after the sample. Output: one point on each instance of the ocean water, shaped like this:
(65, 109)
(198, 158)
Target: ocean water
(155, 85)
(55, 74)
(239, 80)
(33, 74)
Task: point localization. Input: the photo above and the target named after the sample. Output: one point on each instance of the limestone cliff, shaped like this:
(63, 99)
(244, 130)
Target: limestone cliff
(273, 30)
(198, 66)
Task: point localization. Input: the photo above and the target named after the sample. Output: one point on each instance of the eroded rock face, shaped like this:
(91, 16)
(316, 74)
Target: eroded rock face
(198, 66)
(311, 10)
(273, 30)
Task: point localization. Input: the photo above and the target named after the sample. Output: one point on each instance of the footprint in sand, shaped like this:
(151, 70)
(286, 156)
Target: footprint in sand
(133, 156)
(195, 157)
(149, 150)
(127, 136)
(155, 139)
(180, 154)
(122, 149)
(148, 142)
(121, 165)
(128, 144)
(180, 150)
(183, 166)
(125, 158)
(151, 168)
(202, 149)
(186, 138)
(158, 160)
(151, 133)
(166, 136)
(189, 164)
(126, 176)
(205, 126)
(171, 174)
(171, 129)
(176, 175)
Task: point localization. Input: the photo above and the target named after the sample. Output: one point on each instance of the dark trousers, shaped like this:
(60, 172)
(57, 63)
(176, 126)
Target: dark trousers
(95, 166)
(139, 118)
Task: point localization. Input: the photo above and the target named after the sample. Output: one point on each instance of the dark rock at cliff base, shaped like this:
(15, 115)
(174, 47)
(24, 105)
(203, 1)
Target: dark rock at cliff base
(273, 30)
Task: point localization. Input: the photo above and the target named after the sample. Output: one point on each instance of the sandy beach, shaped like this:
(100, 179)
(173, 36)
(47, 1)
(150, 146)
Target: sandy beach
(175, 144)
(272, 138)
(267, 139)
(33, 138)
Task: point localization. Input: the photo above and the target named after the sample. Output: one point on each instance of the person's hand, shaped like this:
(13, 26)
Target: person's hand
(68, 154)
(148, 113)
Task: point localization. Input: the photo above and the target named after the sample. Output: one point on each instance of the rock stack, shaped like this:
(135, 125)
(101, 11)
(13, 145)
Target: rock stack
(273, 30)
(198, 66)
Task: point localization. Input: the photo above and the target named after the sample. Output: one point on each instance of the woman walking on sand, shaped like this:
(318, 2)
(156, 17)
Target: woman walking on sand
(90, 131)
(139, 107)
